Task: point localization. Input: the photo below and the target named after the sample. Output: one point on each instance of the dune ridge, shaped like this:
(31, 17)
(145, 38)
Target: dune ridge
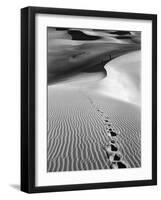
(74, 51)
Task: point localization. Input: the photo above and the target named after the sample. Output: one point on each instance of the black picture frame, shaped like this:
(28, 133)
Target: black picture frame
(28, 98)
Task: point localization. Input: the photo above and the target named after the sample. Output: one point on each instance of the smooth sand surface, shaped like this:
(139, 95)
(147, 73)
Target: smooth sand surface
(123, 80)
(88, 131)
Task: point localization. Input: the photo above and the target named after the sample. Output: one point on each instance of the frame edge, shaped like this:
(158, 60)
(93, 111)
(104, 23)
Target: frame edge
(154, 99)
(27, 101)
(24, 100)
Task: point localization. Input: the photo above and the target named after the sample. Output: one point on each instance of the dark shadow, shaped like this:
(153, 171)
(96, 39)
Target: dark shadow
(79, 35)
(15, 186)
(121, 32)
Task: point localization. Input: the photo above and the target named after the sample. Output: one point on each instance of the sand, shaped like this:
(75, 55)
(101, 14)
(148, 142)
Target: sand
(71, 52)
(89, 131)
(94, 119)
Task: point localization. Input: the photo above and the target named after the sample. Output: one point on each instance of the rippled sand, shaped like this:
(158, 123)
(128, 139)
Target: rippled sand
(89, 131)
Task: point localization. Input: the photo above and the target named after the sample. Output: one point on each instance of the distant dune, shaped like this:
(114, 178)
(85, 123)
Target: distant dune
(75, 51)
(88, 131)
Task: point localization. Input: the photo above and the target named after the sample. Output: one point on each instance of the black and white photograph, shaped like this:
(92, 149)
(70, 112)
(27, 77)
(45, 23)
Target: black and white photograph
(89, 99)
(93, 99)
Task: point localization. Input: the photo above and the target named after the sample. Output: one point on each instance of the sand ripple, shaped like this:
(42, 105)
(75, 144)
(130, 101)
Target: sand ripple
(88, 132)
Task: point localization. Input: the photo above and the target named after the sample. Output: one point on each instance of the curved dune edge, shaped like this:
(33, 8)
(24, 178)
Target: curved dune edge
(123, 81)
(79, 137)
(75, 51)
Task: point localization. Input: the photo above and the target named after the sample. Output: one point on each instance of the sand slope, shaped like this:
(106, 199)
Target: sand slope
(79, 136)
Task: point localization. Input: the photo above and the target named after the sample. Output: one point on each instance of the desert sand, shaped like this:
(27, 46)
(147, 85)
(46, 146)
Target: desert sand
(88, 131)
(71, 52)
(94, 119)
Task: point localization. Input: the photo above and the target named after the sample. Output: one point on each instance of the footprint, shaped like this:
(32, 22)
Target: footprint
(117, 165)
(114, 147)
(113, 141)
(114, 158)
(121, 165)
(112, 151)
(113, 134)
(110, 148)
(117, 157)
(113, 165)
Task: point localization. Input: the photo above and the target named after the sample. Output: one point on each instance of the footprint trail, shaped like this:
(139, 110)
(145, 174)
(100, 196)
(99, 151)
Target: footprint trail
(114, 156)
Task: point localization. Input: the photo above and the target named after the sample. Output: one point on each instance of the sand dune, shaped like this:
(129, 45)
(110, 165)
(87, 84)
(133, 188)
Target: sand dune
(93, 99)
(75, 51)
(88, 131)
(123, 79)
